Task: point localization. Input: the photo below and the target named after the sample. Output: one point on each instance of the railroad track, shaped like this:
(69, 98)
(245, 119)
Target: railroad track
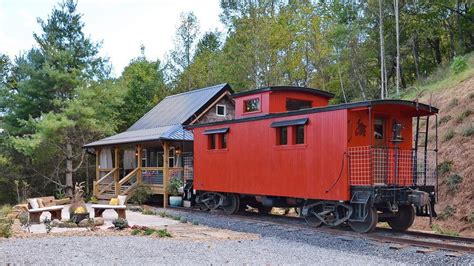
(428, 242)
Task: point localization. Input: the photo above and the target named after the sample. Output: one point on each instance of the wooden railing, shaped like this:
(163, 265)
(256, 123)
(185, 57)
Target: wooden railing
(105, 183)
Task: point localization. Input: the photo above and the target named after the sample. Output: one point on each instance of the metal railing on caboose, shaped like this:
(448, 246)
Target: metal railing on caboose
(381, 166)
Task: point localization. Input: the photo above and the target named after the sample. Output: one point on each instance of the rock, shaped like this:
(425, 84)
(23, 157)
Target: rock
(83, 223)
(98, 221)
(55, 223)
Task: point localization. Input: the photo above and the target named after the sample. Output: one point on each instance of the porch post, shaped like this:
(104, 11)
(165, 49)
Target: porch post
(165, 173)
(117, 171)
(139, 163)
(97, 173)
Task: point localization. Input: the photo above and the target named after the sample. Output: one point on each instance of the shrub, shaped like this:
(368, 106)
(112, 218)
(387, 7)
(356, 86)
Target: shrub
(164, 233)
(463, 115)
(175, 184)
(454, 102)
(93, 200)
(148, 212)
(468, 131)
(445, 167)
(141, 194)
(449, 135)
(459, 64)
(136, 232)
(5, 222)
(444, 120)
(470, 218)
(448, 212)
(183, 220)
(120, 223)
(438, 229)
(195, 223)
(453, 182)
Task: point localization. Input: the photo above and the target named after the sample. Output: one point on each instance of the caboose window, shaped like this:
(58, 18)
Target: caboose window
(223, 141)
(299, 134)
(212, 141)
(294, 104)
(252, 105)
(282, 138)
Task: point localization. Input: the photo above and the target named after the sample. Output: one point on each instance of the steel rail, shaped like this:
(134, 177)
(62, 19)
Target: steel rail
(449, 243)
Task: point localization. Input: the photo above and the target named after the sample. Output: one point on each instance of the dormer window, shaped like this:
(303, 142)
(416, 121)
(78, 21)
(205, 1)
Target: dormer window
(252, 105)
(221, 110)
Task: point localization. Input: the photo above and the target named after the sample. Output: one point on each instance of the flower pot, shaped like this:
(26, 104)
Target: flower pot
(176, 201)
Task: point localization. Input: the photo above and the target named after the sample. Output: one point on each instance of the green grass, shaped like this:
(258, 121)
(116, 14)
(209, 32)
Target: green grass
(468, 131)
(5, 222)
(460, 118)
(453, 182)
(442, 231)
(164, 233)
(445, 167)
(449, 135)
(441, 78)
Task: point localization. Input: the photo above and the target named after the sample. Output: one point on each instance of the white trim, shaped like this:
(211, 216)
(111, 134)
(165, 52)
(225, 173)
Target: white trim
(217, 109)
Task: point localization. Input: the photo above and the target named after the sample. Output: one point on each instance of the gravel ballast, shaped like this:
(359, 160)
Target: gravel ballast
(278, 245)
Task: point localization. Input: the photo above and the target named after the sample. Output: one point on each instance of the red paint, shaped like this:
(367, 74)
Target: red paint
(254, 164)
(275, 102)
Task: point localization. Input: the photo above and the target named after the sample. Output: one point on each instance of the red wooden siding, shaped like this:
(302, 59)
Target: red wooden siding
(254, 164)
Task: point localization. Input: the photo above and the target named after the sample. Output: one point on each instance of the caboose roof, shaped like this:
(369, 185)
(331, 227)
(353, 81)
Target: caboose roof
(166, 119)
(321, 93)
(418, 108)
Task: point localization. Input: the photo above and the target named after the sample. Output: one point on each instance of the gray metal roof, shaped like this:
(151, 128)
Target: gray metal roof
(165, 120)
(177, 109)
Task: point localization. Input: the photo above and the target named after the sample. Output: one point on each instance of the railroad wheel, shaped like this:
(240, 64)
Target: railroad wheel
(264, 209)
(311, 219)
(231, 204)
(404, 219)
(369, 224)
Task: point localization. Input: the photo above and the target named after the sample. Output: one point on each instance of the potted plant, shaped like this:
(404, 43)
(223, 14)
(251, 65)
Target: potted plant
(175, 199)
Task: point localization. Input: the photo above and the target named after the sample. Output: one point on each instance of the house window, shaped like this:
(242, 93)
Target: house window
(282, 137)
(212, 141)
(220, 110)
(223, 140)
(252, 105)
(294, 104)
(299, 134)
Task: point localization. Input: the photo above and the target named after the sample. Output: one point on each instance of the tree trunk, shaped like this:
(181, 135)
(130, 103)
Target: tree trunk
(69, 181)
(382, 53)
(397, 82)
(416, 56)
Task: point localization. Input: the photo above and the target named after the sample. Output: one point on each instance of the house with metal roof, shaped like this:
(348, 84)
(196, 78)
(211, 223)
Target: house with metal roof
(157, 148)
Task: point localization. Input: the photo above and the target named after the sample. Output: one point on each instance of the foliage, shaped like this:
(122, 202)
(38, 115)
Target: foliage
(453, 182)
(449, 135)
(448, 212)
(120, 223)
(439, 230)
(174, 185)
(48, 225)
(463, 115)
(147, 231)
(468, 131)
(444, 119)
(141, 194)
(93, 200)
(459, 64)
(5, 221)
(445, 167)
(453, 102)
(148, 212)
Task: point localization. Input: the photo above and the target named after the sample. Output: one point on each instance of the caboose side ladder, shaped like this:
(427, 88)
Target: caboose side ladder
(424, 146)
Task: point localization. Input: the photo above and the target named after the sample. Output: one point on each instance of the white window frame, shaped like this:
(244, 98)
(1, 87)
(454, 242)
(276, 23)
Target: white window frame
(217, 109)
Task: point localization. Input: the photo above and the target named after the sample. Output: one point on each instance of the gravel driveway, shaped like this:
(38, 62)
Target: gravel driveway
(278, 245)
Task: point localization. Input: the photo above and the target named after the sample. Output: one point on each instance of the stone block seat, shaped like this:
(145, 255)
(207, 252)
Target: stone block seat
(36, 207)
(119, 209)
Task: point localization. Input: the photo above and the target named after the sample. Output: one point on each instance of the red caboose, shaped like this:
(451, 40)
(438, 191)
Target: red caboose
(357, 162)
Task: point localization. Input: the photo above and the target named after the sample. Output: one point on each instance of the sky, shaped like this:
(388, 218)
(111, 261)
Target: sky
(121, 25)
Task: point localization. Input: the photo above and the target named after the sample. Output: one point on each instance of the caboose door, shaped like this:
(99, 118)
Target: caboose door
(380, 151)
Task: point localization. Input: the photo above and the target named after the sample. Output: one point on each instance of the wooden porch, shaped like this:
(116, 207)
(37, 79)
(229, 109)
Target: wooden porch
(113, 181)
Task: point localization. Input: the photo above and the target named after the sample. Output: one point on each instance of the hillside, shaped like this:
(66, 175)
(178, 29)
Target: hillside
(454, 96)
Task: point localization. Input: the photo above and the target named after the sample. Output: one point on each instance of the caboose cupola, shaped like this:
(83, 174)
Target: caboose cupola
(278, 99)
